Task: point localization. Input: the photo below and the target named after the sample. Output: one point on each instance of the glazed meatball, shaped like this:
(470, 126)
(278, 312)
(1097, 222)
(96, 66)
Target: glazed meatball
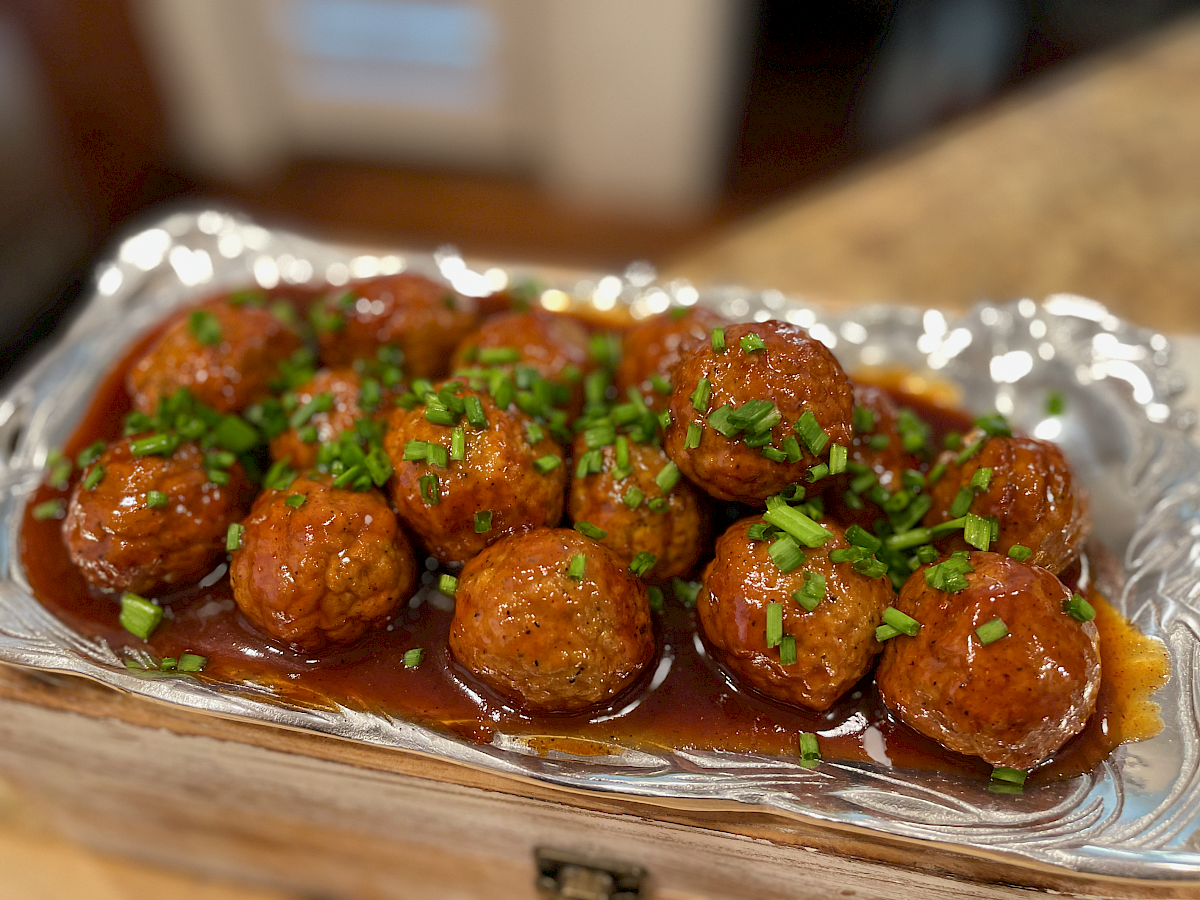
(880, 449)
(835, 641)
(344, 391)
(1031, 492)
(545, 640)
(423, 318)
(656, 345)
(555, 346)
(123, 539)
(1011, 702)
(224, 353)
(790, 374)
(323, 570)
(629, 504)
(512, 476)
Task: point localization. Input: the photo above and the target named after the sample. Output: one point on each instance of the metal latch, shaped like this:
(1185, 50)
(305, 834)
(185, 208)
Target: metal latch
(572, 876)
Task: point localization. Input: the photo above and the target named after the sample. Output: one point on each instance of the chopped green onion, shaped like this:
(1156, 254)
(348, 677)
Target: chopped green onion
(927, 553)
(642, 563)
(864, 419)
(811, 432)
(761, 531)
(685, 592)
(981, 479)
(204, 327)
(668, 476)
(914, 433)
(191, 662)
(379, 466)
(798, 525)
(848, 554)
(1009, 775)
(483, 521)
(812, 592)
(990, 632)
(692, 440)
(718, 340)
(902, 622)
(787, 650)
(1019, 552)
(752, 343)
(89, 454)
(547, 463)
(977, 531)
(429, 489)
(878, 441)
(633, 497)
(701, 395)
(1078, 608)
(658, 504)
(279, 477)
(1056, 403)
(447, 584)
(319, 404)
(791, 449)
(810, 750)
(416, 451)
(474, 410)
(656, 598)
(590, 530)
(817, 472)
(860, 537)
(577, 566)
(139, 616)
(906, 540)
(838, 457)
(949, 575)
(534, 434)
(413, 657)
(774, 455)
(886, 633)
(458, 444)
(295, 501)
(349, 477)
(871, 568)
(774, 623)
(155, 444)
(217, 476)
(962, 502)
(660, 384)
(786, 553)
(52, 509)
(60, 469)
(721, 419)
(93, 478)
(496, 356)
(590, 463)
(995, 425)
(233, 536)
(971, 449)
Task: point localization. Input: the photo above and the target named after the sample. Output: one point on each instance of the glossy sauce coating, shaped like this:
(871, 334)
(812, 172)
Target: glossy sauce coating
(794, 372)
(543, 639)
(121, 543)
(1032, 492)
(835, 642)
(1011, 702)
(655, 345)
(677, 535)
(421, 317)
(499, 474)
(322, 571)
(227, 357)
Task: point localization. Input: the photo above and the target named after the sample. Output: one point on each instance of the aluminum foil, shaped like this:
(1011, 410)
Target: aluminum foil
(1137, 815)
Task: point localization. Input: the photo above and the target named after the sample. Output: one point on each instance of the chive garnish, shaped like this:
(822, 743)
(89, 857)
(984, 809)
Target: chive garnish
(89, 454)
(642, 563)
(685, 592)
(787, 650)
(860, 537)
(590, 530)
(658, 504)
(718, 340)
(204, 327)
(350, 476)
(668, 476)
(154, 445)
(474, 411)
(949, 575)
(483, 521)
(429, 489)
(761, 531)
(413, 657)
(217, 476)
(995, 425)
(774, 623)
(902, 622)
(1006, 780)
(319, 404)
(981, 478)
(812, 592)
(721, 419)
(864, 419)
(416, 451)
(191, 662)
(279, 477)
(547, 463)
(977, 531)
(138, 615)
(51, 509)
(811, 432)
(971, 449)
(797, 524)
(752, 343)
(534, 434)
(786, 553)
(810, 750)
(458, 444)
(990, 632)
(848, 554)
(1078, 608)
(1019, 552)
(496, 356)
(94, 477)
(577, 566)
(660, 384)
(926, 554)
(295, 501)
(962, 502)
(838, 457)
(692, 439)
(447, 584)
(914, 433)
(378, 465)
(633, 497)
(700, 396)
(1056, 403)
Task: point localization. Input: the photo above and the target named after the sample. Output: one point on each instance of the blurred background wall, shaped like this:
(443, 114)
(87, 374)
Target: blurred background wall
(567, 132)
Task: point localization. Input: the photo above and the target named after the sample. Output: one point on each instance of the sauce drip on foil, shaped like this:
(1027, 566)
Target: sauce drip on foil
(683, 701)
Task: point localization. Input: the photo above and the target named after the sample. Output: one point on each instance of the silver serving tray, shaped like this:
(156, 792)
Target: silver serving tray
(1136, 815)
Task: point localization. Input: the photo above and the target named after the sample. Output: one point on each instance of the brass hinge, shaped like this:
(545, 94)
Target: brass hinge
(573, 876)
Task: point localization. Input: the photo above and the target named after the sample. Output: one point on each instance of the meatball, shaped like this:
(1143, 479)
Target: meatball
(423, 318)
(835, 640)
(226, 354)
(655, 346)
(322, 570)
(880, 449)
(123, 538)
(344, 388)
(546, 632)
(1031, 492)
(1011, 702)
(554, 346)
(638, 516)
(782, 371)
(511, 475)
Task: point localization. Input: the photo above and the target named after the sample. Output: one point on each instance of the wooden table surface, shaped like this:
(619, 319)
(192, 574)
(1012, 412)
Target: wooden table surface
(1087, 183)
